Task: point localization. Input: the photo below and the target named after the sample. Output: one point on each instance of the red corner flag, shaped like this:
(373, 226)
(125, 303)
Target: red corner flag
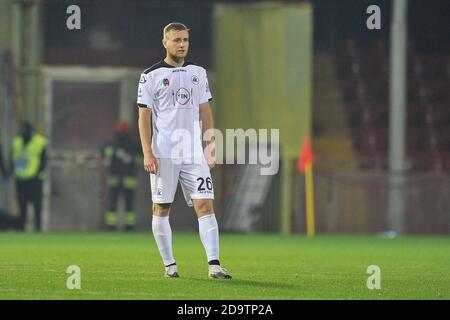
(306, 156)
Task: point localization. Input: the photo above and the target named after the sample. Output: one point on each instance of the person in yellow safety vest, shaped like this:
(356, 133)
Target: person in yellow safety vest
(121, 157)
(28, 161)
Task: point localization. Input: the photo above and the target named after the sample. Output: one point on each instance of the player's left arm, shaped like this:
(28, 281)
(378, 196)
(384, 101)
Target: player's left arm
(207, 120)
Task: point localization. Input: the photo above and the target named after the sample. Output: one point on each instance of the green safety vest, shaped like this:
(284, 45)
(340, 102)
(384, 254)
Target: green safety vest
(27, 158)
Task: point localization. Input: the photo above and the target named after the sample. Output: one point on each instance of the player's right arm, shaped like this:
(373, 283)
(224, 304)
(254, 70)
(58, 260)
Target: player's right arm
(145, 124)
(145, 132)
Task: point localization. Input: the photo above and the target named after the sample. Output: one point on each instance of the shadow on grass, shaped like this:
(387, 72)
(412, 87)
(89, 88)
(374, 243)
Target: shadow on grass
(250, 283)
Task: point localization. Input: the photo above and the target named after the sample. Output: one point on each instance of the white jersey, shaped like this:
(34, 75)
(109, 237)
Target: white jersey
(174, 95)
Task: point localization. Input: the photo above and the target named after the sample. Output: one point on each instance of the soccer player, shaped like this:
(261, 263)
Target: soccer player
(173, 98)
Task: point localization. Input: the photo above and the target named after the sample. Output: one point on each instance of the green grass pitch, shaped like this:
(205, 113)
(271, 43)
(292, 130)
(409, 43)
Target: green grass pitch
(128, 266)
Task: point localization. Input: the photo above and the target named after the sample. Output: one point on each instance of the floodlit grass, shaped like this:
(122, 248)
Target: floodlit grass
(128, 266)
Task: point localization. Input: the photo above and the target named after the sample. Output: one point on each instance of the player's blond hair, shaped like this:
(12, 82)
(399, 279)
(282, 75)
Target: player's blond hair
(177, 26)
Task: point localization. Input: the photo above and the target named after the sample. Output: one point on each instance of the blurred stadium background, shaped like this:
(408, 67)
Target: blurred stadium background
(308, 68)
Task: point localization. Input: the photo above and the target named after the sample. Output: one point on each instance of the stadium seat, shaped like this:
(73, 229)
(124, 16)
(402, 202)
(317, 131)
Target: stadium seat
(363, 72)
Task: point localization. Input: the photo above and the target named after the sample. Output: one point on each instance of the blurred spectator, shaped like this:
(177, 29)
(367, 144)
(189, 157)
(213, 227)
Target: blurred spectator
(2, 164)
(28, 161)
(121, 157)
(7, 221)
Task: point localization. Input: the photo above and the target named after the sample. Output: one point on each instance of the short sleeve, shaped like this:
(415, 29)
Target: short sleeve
(144, 97)
(205, 94)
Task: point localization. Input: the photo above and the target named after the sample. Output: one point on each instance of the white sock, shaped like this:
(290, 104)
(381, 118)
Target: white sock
(209, 234)
(163, 236)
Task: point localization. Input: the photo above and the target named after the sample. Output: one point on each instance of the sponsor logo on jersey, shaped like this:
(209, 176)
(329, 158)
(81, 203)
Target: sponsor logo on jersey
(183, 96)
(166, 82)
(195, 80)
(142, 80)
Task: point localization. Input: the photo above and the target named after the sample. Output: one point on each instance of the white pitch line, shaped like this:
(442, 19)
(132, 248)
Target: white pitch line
(138, 294)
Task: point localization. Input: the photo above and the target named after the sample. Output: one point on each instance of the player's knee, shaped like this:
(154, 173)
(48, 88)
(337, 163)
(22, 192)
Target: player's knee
(161, 209)
(203, 206)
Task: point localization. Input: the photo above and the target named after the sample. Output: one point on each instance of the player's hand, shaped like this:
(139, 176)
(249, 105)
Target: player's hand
(150, 163)
(210, 154)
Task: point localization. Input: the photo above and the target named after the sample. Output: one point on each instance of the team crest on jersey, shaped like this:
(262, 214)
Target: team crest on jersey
(165, 82)
(195, 80)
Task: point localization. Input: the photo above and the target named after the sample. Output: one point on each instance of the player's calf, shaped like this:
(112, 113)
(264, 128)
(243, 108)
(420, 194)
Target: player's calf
(203, 207)
(161, 209)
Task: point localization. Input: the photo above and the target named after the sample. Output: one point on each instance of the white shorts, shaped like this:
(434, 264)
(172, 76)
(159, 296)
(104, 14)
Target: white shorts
(195, 181)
